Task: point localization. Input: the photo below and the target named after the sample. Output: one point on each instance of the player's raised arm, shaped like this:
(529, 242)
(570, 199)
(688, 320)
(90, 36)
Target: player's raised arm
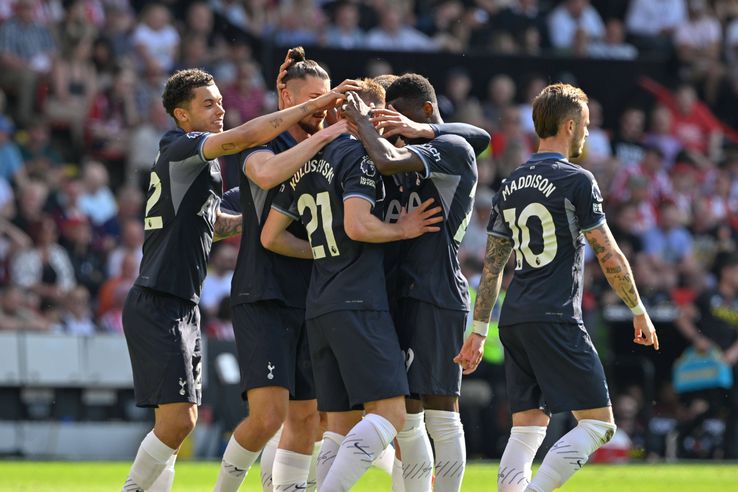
(386, 157)
(268, 170)
(495, 259)
(395, 123)
(616, 268)
(361, 225)
(264, 128)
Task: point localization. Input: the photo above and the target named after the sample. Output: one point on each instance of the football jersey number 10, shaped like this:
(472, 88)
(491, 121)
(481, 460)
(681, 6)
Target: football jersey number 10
(521, 235)
(323, 201)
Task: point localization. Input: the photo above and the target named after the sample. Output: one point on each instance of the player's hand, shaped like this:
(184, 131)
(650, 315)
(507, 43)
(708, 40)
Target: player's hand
(338, 93)
(420, 220)
(330, 133)
(395, 123)
(644, 332)
(280, 77)
(471, 353)
(354, 108)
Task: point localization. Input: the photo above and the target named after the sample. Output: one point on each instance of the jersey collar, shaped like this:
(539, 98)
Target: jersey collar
(542, 156)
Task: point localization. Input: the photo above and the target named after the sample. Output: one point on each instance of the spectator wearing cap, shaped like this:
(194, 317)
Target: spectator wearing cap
(27, 51)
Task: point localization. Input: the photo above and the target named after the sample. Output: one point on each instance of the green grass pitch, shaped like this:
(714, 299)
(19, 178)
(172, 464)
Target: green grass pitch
(22, 476)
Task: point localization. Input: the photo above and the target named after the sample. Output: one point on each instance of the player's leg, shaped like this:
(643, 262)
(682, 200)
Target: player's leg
(292, 459)
(443, 421)
(572, 378)
(595, 428)
(372, 368)
(529, 420)
(163, 336)
(413, 441)
(262, 335)
(431, 336)
(267, 461)
(267, 411)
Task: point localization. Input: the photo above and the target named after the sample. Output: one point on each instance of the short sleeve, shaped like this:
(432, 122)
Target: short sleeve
(284, 201)
(497, 225)
(232, 200)
(362, 180)
(588, 202)
(187, 146)
(447, 154)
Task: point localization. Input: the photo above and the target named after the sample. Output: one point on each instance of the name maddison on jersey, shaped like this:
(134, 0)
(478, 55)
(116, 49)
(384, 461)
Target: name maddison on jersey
(530, 181)
(313, 166)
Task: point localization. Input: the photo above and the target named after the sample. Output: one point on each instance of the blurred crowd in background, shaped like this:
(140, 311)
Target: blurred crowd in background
(80, 120)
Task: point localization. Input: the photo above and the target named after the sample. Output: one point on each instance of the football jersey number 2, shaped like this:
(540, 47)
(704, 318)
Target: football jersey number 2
(153, 222)
(521, 235)
(326, 217)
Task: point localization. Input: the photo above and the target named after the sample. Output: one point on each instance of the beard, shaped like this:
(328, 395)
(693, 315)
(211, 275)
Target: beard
(309, 126)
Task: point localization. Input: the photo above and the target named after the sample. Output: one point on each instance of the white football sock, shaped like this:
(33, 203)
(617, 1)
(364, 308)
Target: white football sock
(448, 438)
(358, 450)
(515, 473)
(312, 483)
(385, 460)
(290, 471)
(166, 478)
(570, 453)
(417, 454)
(267, 460)
(151, 459)
(328, 451)
(398, 484)
(235, 465)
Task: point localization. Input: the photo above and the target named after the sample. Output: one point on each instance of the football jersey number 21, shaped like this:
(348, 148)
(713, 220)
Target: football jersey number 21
(521, 235)
(323, 201)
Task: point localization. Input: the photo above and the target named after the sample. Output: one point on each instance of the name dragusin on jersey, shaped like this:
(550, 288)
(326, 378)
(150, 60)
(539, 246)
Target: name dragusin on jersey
(530, 181)
(313, 166)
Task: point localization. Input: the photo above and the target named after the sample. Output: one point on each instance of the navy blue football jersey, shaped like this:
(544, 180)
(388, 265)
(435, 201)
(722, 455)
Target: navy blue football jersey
(181, 205)
(261, 274)
(429, 264)
(347, 275)
(543, 207)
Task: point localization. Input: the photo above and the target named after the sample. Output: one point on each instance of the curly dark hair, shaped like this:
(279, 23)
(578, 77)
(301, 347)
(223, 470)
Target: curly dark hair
(413, 87)
(180, 85)
(301, 67)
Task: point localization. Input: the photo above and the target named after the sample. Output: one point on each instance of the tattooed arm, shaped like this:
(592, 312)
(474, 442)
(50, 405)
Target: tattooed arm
(616, 268)
(498, 252)
(226, 225)
(265, 128)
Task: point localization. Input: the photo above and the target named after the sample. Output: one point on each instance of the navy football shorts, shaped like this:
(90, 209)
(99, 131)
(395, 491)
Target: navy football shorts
(356, 359)
(163, 336)
(552, 366)
(430, 338)
(272, 348)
